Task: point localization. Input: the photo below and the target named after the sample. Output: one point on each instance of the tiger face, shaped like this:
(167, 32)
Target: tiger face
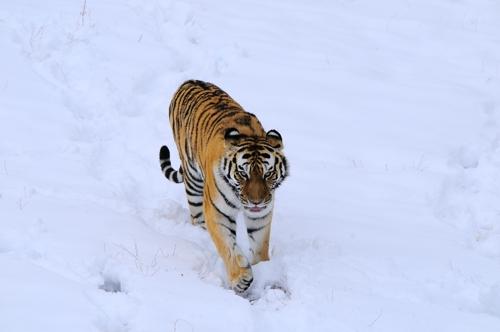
(254, 167)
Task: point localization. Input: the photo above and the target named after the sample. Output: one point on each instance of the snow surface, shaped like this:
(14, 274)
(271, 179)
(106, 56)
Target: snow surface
(390, 113)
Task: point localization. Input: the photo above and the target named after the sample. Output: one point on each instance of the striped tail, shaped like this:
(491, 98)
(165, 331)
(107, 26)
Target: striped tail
(167, 169)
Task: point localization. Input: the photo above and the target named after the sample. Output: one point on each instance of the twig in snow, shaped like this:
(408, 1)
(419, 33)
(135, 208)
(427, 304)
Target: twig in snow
(376, 319)
(182, 320)
(84, 11)
(146, 269)
(35, 37)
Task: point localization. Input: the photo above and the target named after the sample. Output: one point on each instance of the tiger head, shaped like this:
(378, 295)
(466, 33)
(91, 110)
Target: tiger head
(254, 166)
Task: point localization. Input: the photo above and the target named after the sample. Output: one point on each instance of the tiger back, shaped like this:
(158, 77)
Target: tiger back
(229, 163)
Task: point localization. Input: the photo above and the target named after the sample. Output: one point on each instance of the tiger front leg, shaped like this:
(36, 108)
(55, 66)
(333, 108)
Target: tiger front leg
(221, 225)
(259, 231)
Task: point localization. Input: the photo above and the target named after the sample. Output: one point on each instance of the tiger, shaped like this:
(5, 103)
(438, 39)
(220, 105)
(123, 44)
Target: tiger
(229, 164)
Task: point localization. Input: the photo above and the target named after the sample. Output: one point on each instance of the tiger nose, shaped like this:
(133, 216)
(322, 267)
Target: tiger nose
(256, 201)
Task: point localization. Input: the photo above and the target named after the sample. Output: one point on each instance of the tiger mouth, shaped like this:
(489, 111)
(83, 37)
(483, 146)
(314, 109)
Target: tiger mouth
(255, 208)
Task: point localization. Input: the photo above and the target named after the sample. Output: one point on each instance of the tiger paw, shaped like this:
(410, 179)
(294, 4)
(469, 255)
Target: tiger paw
(199, 223)
(242, 279)
(241, 284)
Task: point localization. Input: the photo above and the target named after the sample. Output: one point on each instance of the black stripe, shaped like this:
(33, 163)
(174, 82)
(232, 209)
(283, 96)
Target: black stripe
(246, 282)
(228, 202)
(198, 183)
(233, 232)
(259, 218)
(230, 185)
(190, 193)
(193, 188)
(206, 117)
(243, 285)
(243, 147)
(168, 172)
(176, 177)
(253, 230)
(189, 174)
(218, 119)
(193, 172)
(197, 134)
(186, 148)
(231, 220)
(165, 164)
(195, 204)
(197, 215)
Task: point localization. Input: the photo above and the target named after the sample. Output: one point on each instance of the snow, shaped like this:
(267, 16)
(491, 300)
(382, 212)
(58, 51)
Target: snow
(389, 111)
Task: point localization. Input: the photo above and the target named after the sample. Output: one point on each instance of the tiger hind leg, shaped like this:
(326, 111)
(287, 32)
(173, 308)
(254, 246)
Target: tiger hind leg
(194, 192)
(196, 210)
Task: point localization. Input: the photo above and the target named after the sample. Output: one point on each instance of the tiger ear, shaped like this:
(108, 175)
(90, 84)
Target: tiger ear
(232, 133)
(274, 137)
